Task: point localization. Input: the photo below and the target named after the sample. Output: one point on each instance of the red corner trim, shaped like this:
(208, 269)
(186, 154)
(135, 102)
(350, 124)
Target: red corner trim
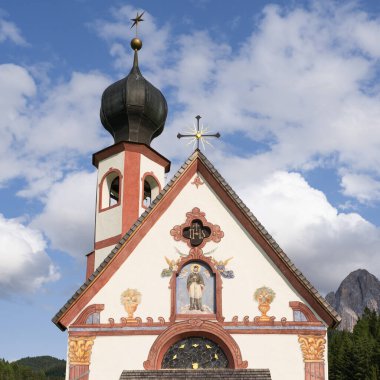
(90, 264)
(107, 242)
(131, 190)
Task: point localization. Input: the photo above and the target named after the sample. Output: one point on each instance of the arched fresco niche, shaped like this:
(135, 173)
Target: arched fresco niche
(195, 289)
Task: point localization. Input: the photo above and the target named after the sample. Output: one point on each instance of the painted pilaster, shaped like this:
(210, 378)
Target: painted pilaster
(313, 348)
(80, 349)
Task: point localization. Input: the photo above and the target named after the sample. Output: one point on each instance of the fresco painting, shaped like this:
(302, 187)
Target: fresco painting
(195, 290)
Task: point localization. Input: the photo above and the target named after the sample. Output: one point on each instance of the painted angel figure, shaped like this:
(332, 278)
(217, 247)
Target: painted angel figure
(221, 267)
(172, 267)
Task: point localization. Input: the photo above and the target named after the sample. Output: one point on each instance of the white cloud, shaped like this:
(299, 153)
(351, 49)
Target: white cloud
(43, 136)
(68, 215)
(9, 31)
(24, 266)
(363, 187)
(325, 244)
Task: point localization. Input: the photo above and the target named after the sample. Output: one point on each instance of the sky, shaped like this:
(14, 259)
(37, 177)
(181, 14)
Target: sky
(292, 86)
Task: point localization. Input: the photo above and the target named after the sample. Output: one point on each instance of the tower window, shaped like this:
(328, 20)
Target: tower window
(110, 190)
(114, 191)
(151, 189)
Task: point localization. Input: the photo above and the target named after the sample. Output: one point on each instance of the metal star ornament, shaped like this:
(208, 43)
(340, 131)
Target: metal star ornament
(136, 20)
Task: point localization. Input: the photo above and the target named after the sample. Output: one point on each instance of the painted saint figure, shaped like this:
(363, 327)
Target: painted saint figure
(195, 286)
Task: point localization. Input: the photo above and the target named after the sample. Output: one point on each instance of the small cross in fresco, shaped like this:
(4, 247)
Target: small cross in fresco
(196, 232)
(199, 134)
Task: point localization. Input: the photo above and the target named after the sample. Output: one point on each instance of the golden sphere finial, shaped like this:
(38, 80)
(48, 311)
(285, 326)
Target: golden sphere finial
(136, 43)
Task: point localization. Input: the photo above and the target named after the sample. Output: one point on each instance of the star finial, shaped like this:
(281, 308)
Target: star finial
(199, 134)
(136, 20)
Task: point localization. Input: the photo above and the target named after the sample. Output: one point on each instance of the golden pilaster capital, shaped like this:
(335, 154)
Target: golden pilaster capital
(80, 350)
(312, 347)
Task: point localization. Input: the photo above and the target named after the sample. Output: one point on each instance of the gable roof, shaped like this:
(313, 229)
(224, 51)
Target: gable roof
(197, 162)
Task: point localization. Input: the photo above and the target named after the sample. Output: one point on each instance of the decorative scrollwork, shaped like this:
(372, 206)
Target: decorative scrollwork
(196, 253)
(123, 321)
(195, 322)
(161, 320)
(149, 320)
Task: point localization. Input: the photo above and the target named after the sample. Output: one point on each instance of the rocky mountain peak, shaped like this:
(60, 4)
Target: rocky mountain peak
(360, 289)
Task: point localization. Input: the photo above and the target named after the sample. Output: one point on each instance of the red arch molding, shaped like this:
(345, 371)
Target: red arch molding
(95, 308)
(195, 327)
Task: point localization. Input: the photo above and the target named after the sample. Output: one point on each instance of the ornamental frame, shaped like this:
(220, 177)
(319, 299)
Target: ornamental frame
(218, 290)
(216, 232)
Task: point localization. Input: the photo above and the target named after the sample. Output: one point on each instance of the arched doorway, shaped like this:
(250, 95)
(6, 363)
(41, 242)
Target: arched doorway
(194, 352)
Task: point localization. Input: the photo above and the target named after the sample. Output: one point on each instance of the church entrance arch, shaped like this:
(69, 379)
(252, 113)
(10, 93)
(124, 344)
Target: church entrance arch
(194, 329)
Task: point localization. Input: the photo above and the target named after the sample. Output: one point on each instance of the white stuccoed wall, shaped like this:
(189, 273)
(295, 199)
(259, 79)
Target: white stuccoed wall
(111, 355)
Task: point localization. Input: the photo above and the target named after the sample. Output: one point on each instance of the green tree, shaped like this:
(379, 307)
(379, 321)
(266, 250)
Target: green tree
(356, 355)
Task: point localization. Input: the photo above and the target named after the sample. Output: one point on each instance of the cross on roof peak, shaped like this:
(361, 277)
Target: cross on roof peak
(199, 133)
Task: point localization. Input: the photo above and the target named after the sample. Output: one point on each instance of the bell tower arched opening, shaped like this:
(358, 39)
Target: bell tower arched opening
(151, 188)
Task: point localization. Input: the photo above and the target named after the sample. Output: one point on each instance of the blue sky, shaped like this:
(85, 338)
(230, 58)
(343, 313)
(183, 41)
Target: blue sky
(293, 87)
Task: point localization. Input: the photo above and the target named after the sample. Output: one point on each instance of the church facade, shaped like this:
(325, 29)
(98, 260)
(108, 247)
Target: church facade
(183, 276)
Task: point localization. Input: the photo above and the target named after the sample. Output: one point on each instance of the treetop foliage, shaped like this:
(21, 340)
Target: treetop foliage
(356, 355)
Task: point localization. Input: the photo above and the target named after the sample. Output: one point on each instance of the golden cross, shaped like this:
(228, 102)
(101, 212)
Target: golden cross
(199, 134)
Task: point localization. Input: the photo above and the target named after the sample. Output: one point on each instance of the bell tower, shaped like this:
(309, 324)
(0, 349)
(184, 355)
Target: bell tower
(130, 172)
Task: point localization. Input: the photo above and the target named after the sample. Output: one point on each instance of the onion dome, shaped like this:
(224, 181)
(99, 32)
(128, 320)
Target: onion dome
(132, 108)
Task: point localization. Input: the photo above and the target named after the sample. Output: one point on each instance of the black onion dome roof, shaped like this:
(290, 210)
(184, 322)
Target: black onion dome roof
(133, 109)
